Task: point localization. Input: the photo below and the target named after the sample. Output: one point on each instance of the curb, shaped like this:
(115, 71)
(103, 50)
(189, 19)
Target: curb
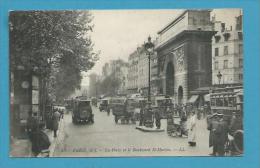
(145, 129)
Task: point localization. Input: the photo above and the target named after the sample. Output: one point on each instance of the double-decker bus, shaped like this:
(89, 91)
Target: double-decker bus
(229, 102)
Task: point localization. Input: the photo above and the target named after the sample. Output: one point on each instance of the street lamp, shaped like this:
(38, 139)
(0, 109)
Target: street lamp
(219, 75)
(149, 46)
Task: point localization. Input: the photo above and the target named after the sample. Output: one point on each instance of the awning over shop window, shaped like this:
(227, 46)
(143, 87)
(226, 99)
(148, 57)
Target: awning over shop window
(193, 98)
(207, 97)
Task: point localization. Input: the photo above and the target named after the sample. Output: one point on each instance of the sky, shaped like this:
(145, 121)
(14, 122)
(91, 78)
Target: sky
(117, 33)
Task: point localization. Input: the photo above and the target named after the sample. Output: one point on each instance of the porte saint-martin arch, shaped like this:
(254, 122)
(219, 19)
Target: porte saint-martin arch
(184, 54)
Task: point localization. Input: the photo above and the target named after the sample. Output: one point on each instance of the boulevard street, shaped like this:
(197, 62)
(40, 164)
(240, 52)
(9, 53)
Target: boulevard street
(104, 138)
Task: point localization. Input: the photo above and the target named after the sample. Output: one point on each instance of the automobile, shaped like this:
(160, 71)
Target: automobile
(82, 111)
(68, 105)
(104, 106)
(94, 101)
(123, 109)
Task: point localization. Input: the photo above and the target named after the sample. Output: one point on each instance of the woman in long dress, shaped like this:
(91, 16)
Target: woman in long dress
(192, 129)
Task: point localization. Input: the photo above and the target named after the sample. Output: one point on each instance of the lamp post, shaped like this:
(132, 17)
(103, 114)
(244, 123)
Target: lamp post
(149, 46)
(219, 75)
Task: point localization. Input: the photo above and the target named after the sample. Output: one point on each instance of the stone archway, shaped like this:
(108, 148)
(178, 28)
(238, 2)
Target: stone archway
(180, 95)
(170, 79)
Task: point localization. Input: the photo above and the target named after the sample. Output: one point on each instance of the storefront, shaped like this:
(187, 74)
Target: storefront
(24, 99)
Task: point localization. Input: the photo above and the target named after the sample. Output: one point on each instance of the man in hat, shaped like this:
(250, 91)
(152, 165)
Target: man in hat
(221, 135)
(212, 126)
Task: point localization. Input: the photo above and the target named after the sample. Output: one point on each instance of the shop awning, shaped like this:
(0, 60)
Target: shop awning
(207, 97)
(193, 98)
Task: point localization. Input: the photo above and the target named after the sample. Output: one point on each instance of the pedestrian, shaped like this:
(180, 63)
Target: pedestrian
(55, 120)
(198, 112)
(183, 124)
(212, 126)
(170, 122)
(61, 113)
(157, 119)
(235, 123)
(31, 125)
(39, 140)
(108, 111)
(192, 129)
(221, 135)
(141, 123)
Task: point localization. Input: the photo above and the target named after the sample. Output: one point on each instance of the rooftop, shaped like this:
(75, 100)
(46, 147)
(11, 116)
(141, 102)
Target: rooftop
(177, 19)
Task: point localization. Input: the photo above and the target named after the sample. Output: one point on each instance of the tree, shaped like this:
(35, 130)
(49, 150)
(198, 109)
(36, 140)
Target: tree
(56, 42)
(110, 84)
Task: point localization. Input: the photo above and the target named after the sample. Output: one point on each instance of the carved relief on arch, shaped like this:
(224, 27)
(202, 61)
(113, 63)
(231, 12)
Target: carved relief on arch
(178, 55)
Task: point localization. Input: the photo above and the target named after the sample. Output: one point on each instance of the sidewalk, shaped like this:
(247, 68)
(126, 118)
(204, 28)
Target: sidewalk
(22, 147)
(147, 129)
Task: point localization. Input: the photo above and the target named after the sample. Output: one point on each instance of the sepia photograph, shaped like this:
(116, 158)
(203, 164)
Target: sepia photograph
(126, 83)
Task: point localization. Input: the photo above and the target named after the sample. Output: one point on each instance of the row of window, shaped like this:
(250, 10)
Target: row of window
(227, 36)
(240, 50)
(223, 102)
(225, 65)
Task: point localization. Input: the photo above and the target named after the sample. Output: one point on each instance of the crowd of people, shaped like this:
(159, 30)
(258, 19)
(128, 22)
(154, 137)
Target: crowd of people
(221, 130)
(40, 141)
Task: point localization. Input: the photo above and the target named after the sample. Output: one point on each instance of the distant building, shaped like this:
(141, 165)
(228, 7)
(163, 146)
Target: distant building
(83, 91)
(132, 72)
(123, 79)
(227, 53)
(184, 54)
(116, 69)
(106, 71)
(93, 90)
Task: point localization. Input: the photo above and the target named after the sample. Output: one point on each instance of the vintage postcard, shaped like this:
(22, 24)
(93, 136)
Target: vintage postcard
(126, 83)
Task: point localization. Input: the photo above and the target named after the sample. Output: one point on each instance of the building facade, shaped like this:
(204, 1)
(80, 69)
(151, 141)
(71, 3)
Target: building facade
(28, 97)
(93, 88)
(142, 71)
(184, 54)
(138, 72)
(132, 72)
(227, 53)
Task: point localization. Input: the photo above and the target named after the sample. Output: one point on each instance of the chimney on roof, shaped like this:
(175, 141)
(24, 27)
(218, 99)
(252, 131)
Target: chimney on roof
(222, 27)
(239, 22)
